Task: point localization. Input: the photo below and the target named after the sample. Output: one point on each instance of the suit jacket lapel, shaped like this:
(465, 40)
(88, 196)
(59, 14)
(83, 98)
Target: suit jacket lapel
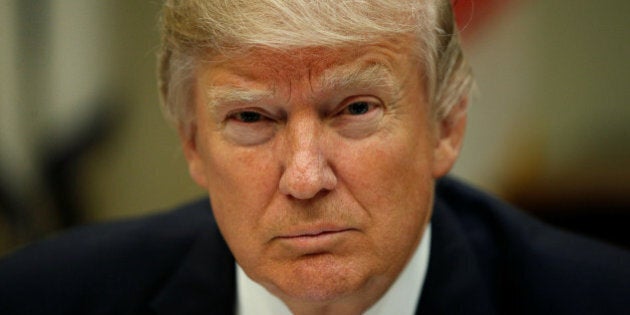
(454, 282)
(205, 281)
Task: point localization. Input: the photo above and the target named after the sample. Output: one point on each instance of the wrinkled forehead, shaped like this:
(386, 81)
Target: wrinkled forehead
(325, 64)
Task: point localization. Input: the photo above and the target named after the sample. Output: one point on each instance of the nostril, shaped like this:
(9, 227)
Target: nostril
(320, 194)
(307, 182)
(300, 185)
(329, 178)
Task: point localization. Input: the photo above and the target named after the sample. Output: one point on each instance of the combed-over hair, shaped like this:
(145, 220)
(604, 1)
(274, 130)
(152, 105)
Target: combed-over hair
(195, 29)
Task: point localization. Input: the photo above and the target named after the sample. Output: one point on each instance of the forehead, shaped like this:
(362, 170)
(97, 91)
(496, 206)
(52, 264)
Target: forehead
(272, 65)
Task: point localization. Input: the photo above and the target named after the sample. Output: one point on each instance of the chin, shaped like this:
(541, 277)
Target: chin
(321, 279)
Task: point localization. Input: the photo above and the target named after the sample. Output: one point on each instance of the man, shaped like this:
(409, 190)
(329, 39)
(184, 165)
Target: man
(320, 130)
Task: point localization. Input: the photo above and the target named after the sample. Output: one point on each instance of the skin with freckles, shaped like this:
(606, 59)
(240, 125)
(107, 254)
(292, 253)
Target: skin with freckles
(320, 164)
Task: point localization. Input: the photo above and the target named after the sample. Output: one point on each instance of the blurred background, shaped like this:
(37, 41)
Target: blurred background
(82, 138)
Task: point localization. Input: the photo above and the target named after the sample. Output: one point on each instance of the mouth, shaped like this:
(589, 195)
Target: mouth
(313, 233)
(310, 241)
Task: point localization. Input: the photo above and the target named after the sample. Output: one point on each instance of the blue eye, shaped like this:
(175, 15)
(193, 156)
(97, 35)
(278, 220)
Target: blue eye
(358, 108)
(248, 117)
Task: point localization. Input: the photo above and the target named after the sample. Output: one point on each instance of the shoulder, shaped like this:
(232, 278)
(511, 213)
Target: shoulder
(488, 221)
(118, 259)
(162, 232)
(531, 264)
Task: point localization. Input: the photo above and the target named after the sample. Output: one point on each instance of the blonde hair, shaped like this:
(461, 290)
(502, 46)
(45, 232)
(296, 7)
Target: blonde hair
(195, 29)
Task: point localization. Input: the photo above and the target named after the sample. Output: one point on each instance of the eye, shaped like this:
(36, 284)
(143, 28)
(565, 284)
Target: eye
(247, 117)
(358, 108)
(359, 117)
(249, 126)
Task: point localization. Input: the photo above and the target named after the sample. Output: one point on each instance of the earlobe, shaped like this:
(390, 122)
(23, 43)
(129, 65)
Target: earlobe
(196, 169)
(450, 132)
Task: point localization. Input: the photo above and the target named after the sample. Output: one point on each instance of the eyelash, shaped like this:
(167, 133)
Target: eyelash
(246, 116)
(369, 106)
(346, 110)
(238, 116)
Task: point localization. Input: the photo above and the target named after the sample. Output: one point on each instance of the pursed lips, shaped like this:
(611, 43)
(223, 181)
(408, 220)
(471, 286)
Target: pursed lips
(314, 239)
(312, 232)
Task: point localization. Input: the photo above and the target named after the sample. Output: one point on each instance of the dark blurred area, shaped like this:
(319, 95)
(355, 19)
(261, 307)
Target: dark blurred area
(82, 138)
(587, 201)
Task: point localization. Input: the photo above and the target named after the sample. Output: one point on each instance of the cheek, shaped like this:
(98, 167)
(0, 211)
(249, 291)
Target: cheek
(388, 170)
(241, 182)
(391, 179)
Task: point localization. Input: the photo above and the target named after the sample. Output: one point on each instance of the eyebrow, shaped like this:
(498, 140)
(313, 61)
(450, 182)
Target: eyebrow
(374, 75)
(223, 95)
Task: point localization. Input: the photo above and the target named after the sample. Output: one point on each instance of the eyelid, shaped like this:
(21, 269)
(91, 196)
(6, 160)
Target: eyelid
(248, 133)
(264, 113)
(372, 100)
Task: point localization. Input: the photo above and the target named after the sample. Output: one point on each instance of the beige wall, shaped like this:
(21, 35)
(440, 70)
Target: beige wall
(554, 79)
(141, 167)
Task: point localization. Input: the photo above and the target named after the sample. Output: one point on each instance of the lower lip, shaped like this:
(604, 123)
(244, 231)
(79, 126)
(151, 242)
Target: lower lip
(314, 244)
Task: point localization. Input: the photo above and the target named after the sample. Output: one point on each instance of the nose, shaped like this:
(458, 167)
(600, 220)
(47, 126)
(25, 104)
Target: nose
(306, 168)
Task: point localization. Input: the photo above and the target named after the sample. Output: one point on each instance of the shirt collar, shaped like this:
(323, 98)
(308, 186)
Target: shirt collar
(401, 298)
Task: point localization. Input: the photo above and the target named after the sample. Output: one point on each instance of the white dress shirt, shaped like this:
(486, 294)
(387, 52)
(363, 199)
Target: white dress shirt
(401, 298)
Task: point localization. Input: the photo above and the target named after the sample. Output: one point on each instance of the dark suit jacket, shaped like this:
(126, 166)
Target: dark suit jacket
(486, 258)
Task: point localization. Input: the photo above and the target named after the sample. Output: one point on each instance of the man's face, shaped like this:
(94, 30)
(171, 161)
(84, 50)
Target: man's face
(320, 165)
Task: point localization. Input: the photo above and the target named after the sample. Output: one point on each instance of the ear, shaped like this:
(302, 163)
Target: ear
(450, 135)
(196, 166)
